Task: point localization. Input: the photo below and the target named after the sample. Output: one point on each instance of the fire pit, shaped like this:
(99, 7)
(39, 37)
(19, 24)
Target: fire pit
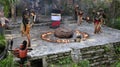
(64, 35)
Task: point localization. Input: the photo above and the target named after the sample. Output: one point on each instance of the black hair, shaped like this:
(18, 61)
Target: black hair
(24, 45)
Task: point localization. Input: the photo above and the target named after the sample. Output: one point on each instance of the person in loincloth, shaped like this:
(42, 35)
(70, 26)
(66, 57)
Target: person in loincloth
(97, 23)
(103, 16)
(21, 53)
(80, 17)
(76, 9)
(25, 28)
(25, 21)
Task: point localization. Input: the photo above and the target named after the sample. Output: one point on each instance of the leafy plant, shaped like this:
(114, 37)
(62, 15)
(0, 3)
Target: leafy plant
(117, 23)
(7, 5)
(65, 60)
(106, 48)
(3, 41)
(74, 65)
(8, 61)
(116, 64)
(84, 63)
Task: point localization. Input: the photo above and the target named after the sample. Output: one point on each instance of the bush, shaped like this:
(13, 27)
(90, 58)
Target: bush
(117, 23)
(8, 61)
(116, 64)
(3, 41)
(84, 63)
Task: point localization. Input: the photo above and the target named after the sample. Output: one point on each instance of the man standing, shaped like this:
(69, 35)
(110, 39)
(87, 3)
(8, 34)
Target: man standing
(76, 9)
(25, 28)
(97, 23)
(80, 17)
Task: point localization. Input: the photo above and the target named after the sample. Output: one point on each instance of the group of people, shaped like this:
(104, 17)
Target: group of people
(28, 19)
(98, 18)
(20, 52)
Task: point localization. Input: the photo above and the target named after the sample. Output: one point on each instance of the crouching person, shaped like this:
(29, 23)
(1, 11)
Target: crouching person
(21, 53)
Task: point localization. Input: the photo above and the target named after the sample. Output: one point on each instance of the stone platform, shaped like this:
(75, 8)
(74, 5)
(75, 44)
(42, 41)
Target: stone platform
(42, 48)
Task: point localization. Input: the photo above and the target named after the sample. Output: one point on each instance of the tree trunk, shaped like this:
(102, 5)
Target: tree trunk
(13, 12)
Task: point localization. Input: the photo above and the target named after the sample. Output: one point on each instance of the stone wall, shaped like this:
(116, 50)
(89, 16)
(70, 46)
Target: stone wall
(97, 55)
(54, 58)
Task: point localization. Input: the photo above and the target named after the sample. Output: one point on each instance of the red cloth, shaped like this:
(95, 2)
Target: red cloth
(55, 23)
(96, 22)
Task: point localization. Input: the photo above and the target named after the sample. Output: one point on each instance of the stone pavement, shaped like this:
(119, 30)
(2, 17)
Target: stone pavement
(42, 48)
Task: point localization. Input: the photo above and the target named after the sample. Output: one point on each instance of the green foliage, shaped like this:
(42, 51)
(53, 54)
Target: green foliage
(52, 65)
(113, 14)
(118, 49)
(116, 8)
(65, 60)
(116, 64)
(67, 10)
(84, 63)
(3, 41)
(117, 23)
(74, 65)
(106, 48)
(8, 61)
(7, 5)
(12, 1)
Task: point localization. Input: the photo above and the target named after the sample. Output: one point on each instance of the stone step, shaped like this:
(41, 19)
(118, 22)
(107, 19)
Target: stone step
(97, 64)
(8, 31)
(93, 48)
(91, 52)
(95, 57)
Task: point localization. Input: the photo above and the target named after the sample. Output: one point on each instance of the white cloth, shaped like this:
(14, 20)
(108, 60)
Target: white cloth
(55, 17)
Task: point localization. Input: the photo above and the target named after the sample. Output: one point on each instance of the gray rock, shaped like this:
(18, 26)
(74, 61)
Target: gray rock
(63, 32)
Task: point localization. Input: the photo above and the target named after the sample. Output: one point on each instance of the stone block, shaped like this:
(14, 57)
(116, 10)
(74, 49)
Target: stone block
(54, 56)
